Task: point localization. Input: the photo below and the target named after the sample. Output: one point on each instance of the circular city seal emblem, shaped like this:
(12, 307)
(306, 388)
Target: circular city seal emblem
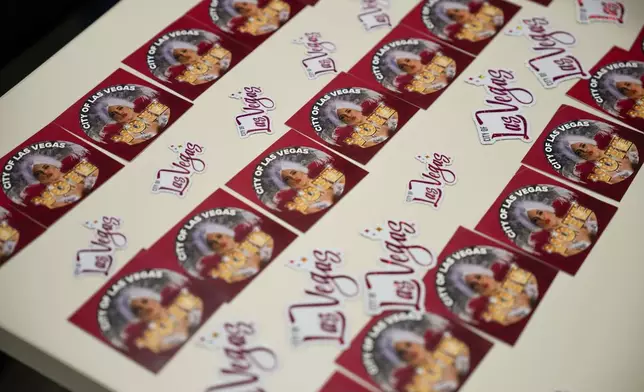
(482, 284)
(52, 174)
(542, 219)
(415, 352)
(150, 310)
(468, 20)
(189, 56)
(588, 151)
(355, 116)
(124, 113)
(298, 179)
(413, 65)
(618, 89)
(254, 17)
(223, 243)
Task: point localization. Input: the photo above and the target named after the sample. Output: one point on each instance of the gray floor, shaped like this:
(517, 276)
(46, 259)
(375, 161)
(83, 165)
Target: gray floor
(16, 377)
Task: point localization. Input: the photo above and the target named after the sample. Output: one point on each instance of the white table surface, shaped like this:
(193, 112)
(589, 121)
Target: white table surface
(585, 336)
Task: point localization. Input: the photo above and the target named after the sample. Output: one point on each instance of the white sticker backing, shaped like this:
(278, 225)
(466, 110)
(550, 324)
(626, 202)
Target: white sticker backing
(318, 59)
(255, 118)
(504, 119)
(176, 179)
(98, 256)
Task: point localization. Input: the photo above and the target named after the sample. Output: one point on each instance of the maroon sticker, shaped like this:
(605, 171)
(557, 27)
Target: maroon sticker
(16, 231)
(616, 87)
(297, 179)
(224, 243)
(352, 119)
(309, 2)
(467, 24)
(250, 22)
(542, 2)
(123, 114)
(598, 154)
(187, 57)
(547, 219)
(341, 383)
(412, 66)
(486, 285)
(147, 312)
(46, 175)
(637, 49)
(414, 352)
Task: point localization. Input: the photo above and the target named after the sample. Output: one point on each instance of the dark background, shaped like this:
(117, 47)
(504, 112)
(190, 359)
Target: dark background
(33, 31)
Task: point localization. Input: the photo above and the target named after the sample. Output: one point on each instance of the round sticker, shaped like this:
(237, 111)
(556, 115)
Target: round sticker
(482, 284)
(467, 20)
(254, 17)
(52, 174)
(223, 243)
(188, 56)
(415, 352)
(150, 310)
(619, 89)
(124, 113)
(353, 117)
(9, 236)
(413, 65)
(299, 179)
(544, 219)
(590, 151)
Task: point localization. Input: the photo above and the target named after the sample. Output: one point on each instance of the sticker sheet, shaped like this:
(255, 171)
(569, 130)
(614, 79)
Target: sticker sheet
(317, 55)
(176, 177)
(555, 62)
(414, 352)
(147, 312)
(469, 25)
(412, 66)
(98, 255)
(598, 154)
(255, 118)
(616, 87)
(503, 117)
(352, 119)
(374, 14)
(297, 179)
(16, 231)
(394, 283)
(341, 383)
(590, 11)
(49, 173)
(488, 286)
(249, 22)
(224, 243)
(318, 315)
(187, 57)
(123, 114)
(429, 187)
(547, 219)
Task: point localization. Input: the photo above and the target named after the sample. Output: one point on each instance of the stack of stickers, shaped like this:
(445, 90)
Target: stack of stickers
(49, 173)
(223, 244)
(492, 280)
